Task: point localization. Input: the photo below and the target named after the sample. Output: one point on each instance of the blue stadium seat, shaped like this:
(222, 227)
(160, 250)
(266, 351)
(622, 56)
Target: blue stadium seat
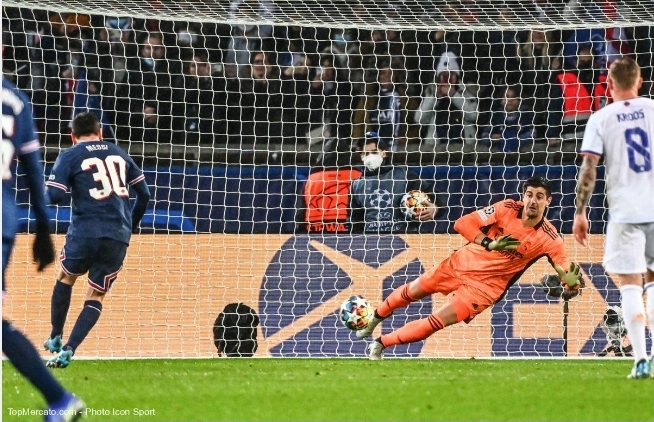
(174, 220)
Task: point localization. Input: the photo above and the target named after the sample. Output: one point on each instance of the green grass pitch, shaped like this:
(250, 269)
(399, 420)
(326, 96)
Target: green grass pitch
(345, 390)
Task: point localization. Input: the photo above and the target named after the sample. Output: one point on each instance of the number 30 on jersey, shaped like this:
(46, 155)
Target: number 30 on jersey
(110, 172)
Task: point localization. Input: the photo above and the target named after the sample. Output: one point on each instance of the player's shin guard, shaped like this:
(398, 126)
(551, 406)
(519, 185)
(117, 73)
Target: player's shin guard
(398, 298)
(22, 354)
(60, 304)
(414, 331)
(633, 312)
(85, 322)
(649, 290)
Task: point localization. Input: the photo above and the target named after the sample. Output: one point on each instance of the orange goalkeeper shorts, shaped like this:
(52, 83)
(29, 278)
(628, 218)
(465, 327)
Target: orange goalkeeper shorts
(445, 280)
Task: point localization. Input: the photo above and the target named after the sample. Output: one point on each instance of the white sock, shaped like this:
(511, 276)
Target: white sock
(633, 312)
(649, 289)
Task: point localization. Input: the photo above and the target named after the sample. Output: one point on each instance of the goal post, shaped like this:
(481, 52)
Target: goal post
(231, 106)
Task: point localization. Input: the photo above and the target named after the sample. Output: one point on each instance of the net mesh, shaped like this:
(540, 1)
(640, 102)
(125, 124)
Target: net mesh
(243, 115)
(396, 14)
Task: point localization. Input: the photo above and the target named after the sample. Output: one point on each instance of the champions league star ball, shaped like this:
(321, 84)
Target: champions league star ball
(414, 201)
(356, 313)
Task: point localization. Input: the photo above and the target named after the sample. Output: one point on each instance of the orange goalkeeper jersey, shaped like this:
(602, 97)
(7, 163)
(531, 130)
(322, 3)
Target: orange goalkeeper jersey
(496, 271)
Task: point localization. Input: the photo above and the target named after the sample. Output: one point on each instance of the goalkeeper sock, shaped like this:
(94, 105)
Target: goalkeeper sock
(649, 289)
(22, 354)
(85, 322)
(633, 312)
(59, 306)
(414, 331)
(398, 298)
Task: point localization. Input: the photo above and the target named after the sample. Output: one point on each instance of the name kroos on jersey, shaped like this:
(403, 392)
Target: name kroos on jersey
(628, 117)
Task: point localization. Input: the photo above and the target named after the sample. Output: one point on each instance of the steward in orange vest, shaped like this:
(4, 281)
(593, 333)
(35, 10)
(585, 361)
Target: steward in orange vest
(572, 102)
(324, 200)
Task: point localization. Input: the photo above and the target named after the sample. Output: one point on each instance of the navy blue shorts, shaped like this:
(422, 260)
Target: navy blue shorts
(102, 258)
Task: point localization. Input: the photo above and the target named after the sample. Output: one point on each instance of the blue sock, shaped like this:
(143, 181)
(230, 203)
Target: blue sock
(22, 354)
(59, 307)
(85, 322)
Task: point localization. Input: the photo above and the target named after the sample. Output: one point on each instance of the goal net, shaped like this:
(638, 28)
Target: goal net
(244, 115)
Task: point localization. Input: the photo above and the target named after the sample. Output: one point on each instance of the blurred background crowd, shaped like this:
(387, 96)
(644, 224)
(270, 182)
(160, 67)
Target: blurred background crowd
(294, 87)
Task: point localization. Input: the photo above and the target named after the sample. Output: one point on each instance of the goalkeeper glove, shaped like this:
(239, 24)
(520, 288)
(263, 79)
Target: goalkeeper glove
(501, 243)
(43, 249)
(571, 278)
(553, 286)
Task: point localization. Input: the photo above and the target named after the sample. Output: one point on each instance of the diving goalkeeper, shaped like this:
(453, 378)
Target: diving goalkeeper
(505, 238)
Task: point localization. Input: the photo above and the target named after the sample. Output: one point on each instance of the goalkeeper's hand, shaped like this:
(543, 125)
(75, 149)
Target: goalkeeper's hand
(502, 243)
(43, 249)
(571, 278)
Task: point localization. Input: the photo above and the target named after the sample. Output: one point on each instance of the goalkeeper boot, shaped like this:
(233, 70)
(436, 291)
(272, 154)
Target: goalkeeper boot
(53, 345)
(69, 409)
(375, 350)
(640, 370)
(61, 360)
(365, 332)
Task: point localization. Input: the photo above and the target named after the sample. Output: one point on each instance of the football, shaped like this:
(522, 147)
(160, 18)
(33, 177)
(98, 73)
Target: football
(356, 313)
(413, 201)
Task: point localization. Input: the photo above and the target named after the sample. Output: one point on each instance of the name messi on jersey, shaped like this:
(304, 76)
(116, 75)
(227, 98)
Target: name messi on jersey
(97, 147)
(628, 117)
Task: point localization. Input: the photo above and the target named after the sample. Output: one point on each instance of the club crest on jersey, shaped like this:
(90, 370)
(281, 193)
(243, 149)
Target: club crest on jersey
(484, 213)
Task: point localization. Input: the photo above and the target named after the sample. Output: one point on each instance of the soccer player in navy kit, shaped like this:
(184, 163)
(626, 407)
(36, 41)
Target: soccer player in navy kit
(98, 175)
(19, 138)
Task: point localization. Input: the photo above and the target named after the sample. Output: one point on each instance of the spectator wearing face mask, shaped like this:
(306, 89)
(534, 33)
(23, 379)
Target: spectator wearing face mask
(376, 195)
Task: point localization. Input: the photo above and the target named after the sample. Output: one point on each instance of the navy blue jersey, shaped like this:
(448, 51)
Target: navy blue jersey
(98, 175)
(19, 139)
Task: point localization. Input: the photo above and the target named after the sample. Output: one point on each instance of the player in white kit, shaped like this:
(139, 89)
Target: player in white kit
(622, 133)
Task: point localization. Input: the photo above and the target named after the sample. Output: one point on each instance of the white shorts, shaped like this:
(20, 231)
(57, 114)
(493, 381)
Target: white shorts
(629, 248)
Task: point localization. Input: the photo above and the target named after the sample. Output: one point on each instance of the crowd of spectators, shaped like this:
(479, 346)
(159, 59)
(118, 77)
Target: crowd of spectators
(191, 83)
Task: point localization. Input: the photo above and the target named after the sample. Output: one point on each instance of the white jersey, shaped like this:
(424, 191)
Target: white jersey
(623, 133)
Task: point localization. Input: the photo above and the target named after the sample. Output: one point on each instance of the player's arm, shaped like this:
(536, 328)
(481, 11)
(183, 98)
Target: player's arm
(142, 199)
(470, 226)
(592, 148)
(569, 272)
(30, 158)
(33, 167)
(585, 187)
(54, 194)
(42, 248)
(586, 182)
(136, 181)
(56, 186)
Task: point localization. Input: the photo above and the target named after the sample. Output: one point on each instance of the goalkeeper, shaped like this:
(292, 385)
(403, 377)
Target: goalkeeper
(505, 238)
